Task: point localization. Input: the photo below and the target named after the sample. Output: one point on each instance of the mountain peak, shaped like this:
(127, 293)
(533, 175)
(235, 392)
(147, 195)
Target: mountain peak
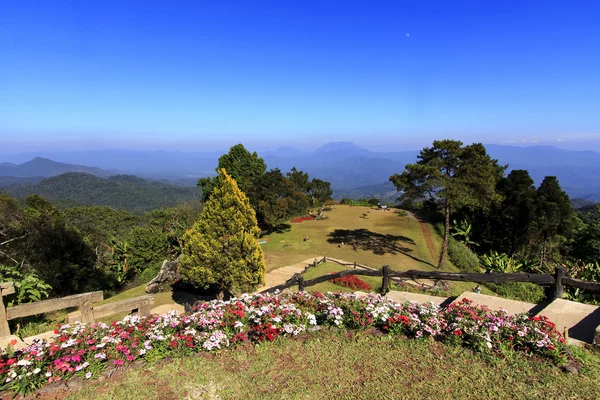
(341, 147)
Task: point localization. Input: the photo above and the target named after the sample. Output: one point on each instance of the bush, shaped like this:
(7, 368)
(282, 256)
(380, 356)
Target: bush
(462, 257)
(522, 291)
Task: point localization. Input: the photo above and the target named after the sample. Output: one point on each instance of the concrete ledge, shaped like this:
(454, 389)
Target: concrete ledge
(580, 320)
(496, 303)
(401, 297)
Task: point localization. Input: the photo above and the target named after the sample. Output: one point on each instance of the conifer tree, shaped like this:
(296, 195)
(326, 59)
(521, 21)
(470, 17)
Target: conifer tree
(221, 249)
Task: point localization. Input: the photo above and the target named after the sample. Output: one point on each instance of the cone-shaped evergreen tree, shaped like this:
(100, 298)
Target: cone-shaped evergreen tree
(222, 247)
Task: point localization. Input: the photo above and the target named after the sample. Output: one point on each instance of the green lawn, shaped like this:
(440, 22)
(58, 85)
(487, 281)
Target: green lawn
(351, 366)
(383, 237)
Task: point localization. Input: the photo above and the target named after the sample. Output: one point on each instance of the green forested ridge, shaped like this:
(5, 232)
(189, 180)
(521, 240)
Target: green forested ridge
(124, 192)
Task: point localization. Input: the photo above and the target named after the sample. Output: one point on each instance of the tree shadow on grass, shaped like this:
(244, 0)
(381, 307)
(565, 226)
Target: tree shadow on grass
(282, 228)
(378, 243)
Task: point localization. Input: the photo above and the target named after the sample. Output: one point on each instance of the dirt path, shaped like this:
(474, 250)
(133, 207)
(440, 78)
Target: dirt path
(428, 239)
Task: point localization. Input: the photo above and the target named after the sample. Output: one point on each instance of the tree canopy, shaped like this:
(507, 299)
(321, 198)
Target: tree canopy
(451, 177)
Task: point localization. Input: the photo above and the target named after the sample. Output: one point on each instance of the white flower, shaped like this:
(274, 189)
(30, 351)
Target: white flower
(88, 375)
(37, 371)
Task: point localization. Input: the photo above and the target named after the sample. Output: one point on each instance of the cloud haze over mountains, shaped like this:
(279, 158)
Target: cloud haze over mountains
(349, 168)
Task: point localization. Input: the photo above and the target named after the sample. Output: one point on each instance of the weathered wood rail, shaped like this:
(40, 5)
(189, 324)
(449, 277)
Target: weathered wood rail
(556, 281)
(141, 304)
(87, 312)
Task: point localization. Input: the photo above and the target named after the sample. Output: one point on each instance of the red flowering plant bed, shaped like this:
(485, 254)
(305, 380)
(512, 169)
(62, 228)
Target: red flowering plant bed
(304, 218)
(351, 282)
(86, 351)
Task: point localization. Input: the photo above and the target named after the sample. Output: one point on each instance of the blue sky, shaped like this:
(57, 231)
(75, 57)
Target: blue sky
(207, 74)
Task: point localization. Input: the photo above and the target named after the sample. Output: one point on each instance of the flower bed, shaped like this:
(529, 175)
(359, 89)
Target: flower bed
(300, 219)
(86, 351)
(352, 282)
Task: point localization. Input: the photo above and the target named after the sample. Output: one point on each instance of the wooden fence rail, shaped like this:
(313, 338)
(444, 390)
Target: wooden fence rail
(556, 281)
(87, 312)
(141, 304)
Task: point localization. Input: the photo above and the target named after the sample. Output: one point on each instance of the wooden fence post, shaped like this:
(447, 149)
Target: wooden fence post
(315, 264)
(559, 274)
(6, 289)
(354, 264)
(4, 329)
(144, 308)
(385, 280)
(301, 284)
(87, 312)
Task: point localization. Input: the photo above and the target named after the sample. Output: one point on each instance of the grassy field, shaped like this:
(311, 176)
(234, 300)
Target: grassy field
(349, 366)
(382, 237)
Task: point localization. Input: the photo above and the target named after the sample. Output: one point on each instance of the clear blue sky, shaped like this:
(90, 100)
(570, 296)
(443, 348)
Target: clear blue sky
(200, 74)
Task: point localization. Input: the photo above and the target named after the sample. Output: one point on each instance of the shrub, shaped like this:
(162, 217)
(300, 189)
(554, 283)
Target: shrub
(28, 286)
(222, 249)
(522, 291)
(462, 257)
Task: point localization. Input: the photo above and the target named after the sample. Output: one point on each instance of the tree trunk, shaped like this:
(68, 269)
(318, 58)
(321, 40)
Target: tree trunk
(221, 295)
(543, 256)
(444, 252)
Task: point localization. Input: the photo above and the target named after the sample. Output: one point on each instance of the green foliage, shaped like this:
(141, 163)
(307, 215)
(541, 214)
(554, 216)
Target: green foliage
(522, 291)
(319, 192)
(462, 257)
(495, 262)
(121, 191)
(275, 198)
(222, 247)
(463, 230)
(451, 177)
(554, 217)
(244, 167)
(357, 203)
(584, 271)
(587, 241)
(28, 286)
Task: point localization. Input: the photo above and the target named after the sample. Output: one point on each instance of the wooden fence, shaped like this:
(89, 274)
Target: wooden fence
(87, 312)
(557, 281)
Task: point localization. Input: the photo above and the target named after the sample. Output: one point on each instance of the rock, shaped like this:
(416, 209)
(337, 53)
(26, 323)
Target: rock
(315, 328)
(75, 384)
(53, 387)
(169, 272)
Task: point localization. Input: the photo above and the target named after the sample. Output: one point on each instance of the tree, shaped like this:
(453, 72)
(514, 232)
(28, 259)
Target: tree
(275, 197)
(451, 177)
(244, 167)
(222, 249)
(587, 242)
(554, 215)
(319, 191)
(516, 212)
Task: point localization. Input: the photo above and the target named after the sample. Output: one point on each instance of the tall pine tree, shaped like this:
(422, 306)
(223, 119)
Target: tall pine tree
(451, 177)
(221, 249)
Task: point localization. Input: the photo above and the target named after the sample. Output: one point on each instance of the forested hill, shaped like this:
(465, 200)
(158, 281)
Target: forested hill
(45, 168)
(120, 191)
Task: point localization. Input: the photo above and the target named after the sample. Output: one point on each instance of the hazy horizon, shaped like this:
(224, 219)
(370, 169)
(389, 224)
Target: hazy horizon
(387, 76)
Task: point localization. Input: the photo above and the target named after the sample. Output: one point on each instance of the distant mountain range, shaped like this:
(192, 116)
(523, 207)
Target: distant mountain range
(43, 167)
(352, 170)
(119, 191)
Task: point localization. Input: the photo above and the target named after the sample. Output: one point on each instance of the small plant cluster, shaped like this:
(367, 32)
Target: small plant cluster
(86, 351)
(352, 282)
(300, 219)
